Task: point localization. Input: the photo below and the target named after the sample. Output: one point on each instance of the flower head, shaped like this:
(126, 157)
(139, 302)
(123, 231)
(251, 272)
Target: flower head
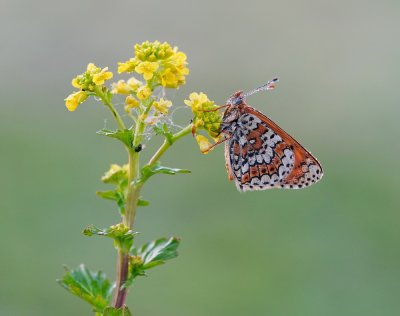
(153, 51)
(130, 103)
(158, 62)
(206, 115)
(116, 174)
(143, 92)
(162, 105)
(134, 84)
(128, 66)
(93, 76)
(101, 76)
(120, 87)
(204, 144)
(74, 99)
(118, 230)
(147, 68)
(175, 70)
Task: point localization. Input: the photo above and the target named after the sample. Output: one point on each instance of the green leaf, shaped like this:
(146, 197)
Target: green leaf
(108, 195)
(112, 311)
(159, 251)
(143, 202)
(148, 171)
(162, 129)
(122, 235)
(149, 256)
(93, 287)
(125, 136)
(114, 195)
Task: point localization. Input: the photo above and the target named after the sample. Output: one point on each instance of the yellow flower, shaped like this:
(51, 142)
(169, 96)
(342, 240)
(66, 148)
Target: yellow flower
(131, 102)
(120, 87)
(204, 144)
(175, 70)
(75, 83)
(179, 61)
(197, 101)
(92, 68)
(74, 99)
(127, 66)
(134, 84)
(168, 79)
(147, 69)
(206, 115)
(115, 174)
(103, 75)
(143, 92)
(162, 105)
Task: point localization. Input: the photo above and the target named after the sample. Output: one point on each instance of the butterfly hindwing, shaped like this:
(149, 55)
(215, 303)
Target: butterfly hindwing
(260, 155)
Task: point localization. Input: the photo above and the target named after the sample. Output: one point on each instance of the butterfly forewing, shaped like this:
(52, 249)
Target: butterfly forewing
(260, 155)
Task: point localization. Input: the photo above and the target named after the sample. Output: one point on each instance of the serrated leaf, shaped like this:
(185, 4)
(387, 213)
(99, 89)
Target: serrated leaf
(157, 252)
(149, 256)
(93, 287)
(125, 136)
(112, 311)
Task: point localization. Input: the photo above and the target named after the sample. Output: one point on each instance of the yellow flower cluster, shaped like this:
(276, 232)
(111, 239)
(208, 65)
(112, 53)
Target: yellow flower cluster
(86, 82)
(159, 63)
(94, 76)
(206, 116)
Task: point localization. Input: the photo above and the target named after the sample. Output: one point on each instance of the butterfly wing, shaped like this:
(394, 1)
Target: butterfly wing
(260, 155)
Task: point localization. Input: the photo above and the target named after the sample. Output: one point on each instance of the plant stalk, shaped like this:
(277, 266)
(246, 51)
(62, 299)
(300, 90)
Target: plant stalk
(132, 201)
(168, 143)
(130, 215)
(107, 102)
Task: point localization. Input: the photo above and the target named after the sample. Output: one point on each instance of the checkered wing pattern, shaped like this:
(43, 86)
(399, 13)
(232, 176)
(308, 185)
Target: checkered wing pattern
(260, 155)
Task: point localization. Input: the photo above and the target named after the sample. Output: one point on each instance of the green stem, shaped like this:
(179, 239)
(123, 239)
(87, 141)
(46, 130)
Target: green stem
(132, 198)
(168, 143)
(107, 102)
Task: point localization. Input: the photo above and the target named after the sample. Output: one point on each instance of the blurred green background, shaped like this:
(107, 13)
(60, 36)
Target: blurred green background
(333, 249)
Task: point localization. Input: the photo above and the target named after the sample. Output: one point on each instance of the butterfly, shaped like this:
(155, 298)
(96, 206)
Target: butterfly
(259, 154)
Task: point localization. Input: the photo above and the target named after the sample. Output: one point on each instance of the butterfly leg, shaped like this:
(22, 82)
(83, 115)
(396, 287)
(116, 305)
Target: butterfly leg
(217, 143)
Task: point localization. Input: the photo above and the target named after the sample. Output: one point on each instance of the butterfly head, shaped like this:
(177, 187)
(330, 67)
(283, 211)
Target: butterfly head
(236, 99)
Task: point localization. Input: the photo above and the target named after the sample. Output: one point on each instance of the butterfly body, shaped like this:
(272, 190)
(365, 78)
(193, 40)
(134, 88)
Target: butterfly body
(259, 154)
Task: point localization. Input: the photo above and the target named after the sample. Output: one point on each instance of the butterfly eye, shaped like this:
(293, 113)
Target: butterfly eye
(237, 101)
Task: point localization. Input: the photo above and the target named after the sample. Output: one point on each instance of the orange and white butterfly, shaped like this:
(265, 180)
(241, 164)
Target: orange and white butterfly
(259, 154)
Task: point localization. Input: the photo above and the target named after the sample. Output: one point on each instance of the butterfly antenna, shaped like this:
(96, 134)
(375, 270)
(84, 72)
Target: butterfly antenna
(270, 85)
